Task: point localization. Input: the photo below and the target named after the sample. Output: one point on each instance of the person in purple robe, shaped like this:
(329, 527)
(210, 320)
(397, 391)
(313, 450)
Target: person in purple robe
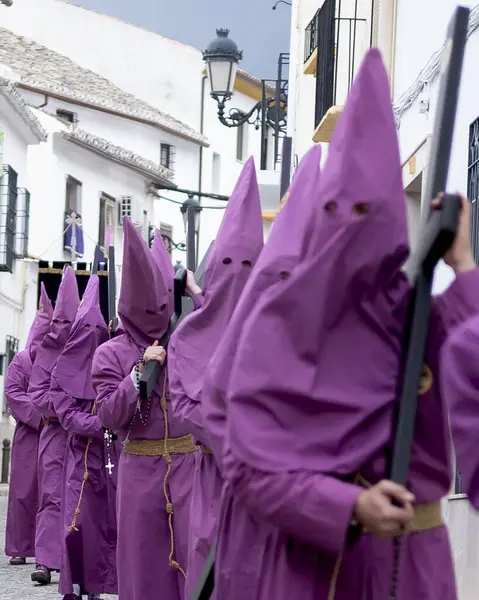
(236, 249)
(460, 383)
(156, 467)
(88, 526)
(303, 386)
(23, 494)
(51, 447)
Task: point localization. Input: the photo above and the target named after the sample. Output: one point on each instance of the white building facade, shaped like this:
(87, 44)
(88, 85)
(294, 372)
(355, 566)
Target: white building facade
(19, 130)
(167, 75)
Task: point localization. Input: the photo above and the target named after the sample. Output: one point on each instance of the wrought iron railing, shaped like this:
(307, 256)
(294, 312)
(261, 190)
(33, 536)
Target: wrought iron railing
(8, 217)
(23, 223)
(341, 35)
(473, 184)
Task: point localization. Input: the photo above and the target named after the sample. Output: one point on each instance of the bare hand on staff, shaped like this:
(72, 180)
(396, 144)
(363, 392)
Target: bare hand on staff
(459, 256)
(192, 288)
(385, 509)
(155, 352)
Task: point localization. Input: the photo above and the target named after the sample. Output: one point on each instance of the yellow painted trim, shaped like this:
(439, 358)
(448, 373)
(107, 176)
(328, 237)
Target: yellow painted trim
(248, 88)
(325, 129)
(310, 65)
(269, 215)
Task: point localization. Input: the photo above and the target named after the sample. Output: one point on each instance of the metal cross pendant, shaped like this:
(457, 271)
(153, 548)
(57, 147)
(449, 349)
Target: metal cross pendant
(109, 466)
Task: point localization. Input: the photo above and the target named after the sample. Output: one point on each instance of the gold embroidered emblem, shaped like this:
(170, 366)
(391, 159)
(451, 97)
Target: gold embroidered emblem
(42, 308)
(426, 380)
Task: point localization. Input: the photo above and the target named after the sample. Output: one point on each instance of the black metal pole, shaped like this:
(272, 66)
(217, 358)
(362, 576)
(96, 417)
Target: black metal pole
(190, 239)
(264, 128)
(6, 447)
(286, 165)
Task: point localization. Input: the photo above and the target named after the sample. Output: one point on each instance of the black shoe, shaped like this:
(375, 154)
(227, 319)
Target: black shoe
(17, 561)
(41, 575)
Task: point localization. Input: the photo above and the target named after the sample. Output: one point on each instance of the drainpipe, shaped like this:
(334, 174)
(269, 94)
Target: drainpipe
(200, 169)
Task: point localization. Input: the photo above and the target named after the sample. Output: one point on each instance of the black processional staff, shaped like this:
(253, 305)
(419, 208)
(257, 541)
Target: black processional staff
(152, 369)
(96, 260)
(438, 231)
(112, 318)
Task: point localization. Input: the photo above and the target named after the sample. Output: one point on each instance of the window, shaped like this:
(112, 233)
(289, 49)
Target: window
(242, 142)
(124, 208)
(106, 229)
(66, 115)
(23, 219)
(473, 184)
(73, 195)
(167, 235)
(167, 156)
(11, 348)
(73, 236)
(8, 217)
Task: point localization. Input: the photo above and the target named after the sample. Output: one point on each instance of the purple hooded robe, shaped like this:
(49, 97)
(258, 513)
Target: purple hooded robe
(51, 447)
(88, 536)
(460, 380)
(236, 249)
(23, 494)
(147, 552)
(315, 345)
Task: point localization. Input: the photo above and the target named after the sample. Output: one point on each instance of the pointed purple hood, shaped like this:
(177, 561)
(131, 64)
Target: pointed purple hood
(163, 259)
(41, 323)
(236, 249)
(319, 353)
(64, 314)
(143, 304)
(89, 330)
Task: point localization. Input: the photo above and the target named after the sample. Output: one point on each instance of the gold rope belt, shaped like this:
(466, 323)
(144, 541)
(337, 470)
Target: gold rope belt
(206, 450)
(426, 516)
(181, 445)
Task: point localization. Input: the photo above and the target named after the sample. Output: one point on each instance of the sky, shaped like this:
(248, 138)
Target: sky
(262, 33)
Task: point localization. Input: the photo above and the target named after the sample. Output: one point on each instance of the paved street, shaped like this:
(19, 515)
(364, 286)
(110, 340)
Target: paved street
(15, 582)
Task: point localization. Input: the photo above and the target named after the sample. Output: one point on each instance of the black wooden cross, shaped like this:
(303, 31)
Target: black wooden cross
(437, 234)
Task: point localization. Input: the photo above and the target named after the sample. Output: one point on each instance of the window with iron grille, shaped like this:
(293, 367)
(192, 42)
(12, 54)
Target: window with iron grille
(473, 185)
(168, 156)
(166, 232)
(8, 217)
(11, 348)
(23, 221)
(124, 208)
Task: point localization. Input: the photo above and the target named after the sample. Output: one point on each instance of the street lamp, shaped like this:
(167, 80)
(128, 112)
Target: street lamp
(6, 2)
(191, 209)
(222, 57)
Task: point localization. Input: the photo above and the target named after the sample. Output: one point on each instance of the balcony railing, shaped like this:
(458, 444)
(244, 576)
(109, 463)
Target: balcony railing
(473, 184)
(8, 217)
(23, 223)
(340, 33)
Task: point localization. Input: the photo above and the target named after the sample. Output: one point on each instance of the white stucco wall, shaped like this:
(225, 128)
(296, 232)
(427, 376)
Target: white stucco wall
(163, 72)
(416, 126)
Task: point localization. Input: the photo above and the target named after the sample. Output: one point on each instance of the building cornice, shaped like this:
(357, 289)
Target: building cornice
(18, 104)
